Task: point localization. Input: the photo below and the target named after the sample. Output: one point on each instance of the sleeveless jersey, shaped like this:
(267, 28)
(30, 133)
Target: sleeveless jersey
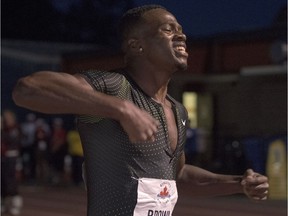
(113, 163)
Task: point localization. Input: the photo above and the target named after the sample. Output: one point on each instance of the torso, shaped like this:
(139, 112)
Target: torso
(113, 167)
(172, 128)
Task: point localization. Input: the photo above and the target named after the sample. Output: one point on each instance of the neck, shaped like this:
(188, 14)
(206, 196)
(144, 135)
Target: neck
(153, 82)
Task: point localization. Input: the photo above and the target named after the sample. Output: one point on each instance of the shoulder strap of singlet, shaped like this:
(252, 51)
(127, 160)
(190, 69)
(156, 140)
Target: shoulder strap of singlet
(182, 110)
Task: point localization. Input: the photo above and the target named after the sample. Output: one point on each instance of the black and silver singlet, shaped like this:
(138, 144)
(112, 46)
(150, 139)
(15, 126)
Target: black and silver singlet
(113, 164)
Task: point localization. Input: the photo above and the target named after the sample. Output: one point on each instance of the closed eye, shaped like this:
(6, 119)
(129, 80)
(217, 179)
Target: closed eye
(168, 30)
(172, 29)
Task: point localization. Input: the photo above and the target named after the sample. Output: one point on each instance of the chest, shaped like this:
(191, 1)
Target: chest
(171, 127)
(171, 131)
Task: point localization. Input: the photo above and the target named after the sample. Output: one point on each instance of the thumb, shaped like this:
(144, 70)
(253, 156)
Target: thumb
(247, 175)
(249, 172)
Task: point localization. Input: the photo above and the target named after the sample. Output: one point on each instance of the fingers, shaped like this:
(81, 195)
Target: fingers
(257, 196)
(254, 178)
(257, 189)
(149, 135)
(146, 132)
(149, 130)
(255, 185)
(139, 125)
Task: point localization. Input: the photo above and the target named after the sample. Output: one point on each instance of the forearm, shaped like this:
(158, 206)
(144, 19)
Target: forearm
(204, 183)
(61, 93)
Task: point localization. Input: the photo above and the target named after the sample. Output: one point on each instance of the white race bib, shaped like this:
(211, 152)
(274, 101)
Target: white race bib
(156, 197)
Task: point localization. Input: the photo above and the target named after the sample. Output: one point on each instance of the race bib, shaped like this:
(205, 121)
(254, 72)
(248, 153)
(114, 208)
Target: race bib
(156, 197)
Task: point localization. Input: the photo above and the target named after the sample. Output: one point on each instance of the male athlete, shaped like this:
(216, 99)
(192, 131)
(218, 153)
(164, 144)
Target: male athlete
(132, 131)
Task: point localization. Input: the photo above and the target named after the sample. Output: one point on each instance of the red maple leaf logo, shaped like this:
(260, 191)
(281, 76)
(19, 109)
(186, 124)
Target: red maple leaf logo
(165, 192)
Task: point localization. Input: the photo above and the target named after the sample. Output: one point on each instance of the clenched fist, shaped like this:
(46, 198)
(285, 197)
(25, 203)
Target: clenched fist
(255, 185)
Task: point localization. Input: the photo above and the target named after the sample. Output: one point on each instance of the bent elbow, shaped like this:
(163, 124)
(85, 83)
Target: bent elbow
(21, 91)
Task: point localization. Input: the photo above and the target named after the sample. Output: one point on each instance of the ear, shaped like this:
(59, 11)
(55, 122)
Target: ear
(134, 45)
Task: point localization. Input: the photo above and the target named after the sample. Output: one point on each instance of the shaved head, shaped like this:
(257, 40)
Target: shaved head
(133, 18)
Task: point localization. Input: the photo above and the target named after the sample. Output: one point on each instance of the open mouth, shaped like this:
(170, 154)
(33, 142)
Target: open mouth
(181, 49)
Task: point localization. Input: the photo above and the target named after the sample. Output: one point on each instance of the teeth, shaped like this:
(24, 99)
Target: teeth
(180, 48)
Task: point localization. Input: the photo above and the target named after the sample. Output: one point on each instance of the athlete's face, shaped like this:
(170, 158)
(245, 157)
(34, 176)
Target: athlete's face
(163, 40)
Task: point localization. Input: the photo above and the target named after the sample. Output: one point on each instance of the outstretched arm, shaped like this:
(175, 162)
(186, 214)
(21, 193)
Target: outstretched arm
(205, 183)
(63, 93)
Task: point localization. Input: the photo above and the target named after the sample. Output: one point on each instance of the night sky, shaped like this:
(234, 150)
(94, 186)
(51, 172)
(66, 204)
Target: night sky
(96, 20)
(208, 17)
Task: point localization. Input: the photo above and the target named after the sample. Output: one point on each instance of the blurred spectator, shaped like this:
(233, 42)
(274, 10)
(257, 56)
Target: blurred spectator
(40, 122)
(11, 201)
(28, 129)
(41, 152)
(58, 149)
(76, 152)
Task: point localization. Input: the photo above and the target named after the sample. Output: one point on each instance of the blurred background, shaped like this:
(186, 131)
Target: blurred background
(235, 91)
